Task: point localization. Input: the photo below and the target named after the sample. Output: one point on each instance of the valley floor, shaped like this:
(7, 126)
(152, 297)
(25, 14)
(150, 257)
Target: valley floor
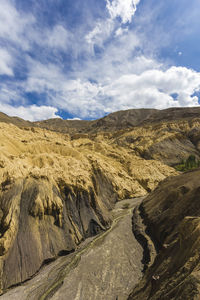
(104, 267)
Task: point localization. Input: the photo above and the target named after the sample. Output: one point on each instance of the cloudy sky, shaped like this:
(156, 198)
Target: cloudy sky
(85, 59)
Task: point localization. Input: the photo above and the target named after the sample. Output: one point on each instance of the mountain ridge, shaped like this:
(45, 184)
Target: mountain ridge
(114, 121)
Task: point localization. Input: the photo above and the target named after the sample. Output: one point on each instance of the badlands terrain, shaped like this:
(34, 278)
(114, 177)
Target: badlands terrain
(96, 209)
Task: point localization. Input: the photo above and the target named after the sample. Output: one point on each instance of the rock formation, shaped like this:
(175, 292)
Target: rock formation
(56, 191)
(171, 215)
(59, 180)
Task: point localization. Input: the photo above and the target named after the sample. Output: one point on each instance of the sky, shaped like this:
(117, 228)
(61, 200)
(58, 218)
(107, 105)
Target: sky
(85, 59)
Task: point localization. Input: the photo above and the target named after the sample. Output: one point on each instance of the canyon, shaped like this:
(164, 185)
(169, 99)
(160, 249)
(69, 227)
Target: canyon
(63, 185)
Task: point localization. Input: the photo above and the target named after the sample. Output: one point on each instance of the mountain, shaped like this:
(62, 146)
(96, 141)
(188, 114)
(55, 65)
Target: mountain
(121, 120)
(59, 180)
(14, 120)
(56, 191)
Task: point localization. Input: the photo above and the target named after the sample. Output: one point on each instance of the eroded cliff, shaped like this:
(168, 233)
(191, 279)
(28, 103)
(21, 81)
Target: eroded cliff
(56, 190)
(171, 215)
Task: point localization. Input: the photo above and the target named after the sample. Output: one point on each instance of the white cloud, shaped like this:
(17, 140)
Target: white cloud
(121, 31)
(154, 88)
(100, 33)
(125, 75)
(125, 9)
(6, 63)
(31, 113)
(149, 86)
(14, 24)
(22, 33)
(43, 77)
(117, 59)
(58, 37)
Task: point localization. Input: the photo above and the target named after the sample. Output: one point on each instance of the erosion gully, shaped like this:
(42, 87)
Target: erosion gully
(106, 266)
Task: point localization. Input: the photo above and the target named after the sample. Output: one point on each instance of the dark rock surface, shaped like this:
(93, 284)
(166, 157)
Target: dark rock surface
(104, 267)
(171, 215)
(41, 220)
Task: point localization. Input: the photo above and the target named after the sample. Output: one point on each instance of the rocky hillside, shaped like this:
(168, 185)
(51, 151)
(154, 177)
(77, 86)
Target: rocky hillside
(121, 120)
(58, 188)
(171, 215)
(14, 120)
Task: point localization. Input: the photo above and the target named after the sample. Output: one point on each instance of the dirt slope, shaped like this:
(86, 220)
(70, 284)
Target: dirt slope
(172, 216)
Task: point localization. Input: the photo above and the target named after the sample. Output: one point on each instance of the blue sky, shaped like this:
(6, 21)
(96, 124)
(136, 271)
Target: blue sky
(85, 59)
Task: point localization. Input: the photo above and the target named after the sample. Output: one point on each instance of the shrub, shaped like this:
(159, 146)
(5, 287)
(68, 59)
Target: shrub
(190, 164)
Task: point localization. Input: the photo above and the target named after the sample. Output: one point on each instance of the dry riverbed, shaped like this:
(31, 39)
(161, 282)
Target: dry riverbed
(106, 266)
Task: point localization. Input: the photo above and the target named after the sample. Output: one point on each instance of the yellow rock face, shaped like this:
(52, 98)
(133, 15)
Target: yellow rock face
(54, 188)
(44, 154)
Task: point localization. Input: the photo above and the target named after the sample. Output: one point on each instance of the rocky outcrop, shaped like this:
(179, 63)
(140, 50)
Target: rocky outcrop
(56, 191)
(101, 268)
(169, 135)
(171, 215)
(140, 232)
(169, 142)
(41, 219)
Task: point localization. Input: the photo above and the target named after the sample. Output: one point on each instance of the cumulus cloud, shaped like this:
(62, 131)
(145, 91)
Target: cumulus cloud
(154, 88)
(31, 113)
(124, 75)
(43, 77)
(74, 119)
(151, 87)
(121, 31)
(123, 9)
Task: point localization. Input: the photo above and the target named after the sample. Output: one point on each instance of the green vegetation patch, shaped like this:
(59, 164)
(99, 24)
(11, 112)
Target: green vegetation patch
(189, 164)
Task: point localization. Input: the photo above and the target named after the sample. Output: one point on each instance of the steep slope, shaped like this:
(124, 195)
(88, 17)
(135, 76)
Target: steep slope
(101, 268)
(56, 191)
(169, 135)
(169, 142)
(172, 217)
